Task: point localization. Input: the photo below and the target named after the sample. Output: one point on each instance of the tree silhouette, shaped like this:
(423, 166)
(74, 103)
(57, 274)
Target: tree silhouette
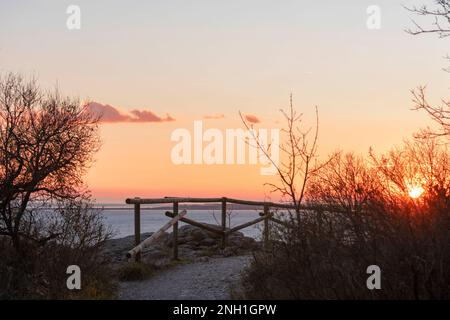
(440, 13)
(46, 143)
(299, 159)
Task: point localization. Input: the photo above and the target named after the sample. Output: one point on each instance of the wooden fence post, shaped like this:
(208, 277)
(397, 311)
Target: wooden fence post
(137, 228)
(266, 227)
(224, 222)
(156, 235)
(175, 232)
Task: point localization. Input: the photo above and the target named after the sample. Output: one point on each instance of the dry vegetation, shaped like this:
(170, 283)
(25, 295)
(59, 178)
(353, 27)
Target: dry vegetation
(367, 218)
(46, 144)
(390, 210)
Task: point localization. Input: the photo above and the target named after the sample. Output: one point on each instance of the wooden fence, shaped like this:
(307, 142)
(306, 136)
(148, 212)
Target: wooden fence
(176, 216)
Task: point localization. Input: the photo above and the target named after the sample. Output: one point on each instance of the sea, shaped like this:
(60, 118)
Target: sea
(121, 220)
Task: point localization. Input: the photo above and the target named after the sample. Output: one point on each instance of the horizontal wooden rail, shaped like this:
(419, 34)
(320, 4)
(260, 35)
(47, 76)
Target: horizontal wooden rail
(261, 203)
(170, 200)
(207, 200)
(231, 200)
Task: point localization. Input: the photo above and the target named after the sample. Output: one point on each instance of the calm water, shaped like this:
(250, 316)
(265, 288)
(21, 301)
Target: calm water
(122, 221)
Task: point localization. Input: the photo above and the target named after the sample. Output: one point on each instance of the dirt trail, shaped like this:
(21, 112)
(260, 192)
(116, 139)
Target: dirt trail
(205, 280)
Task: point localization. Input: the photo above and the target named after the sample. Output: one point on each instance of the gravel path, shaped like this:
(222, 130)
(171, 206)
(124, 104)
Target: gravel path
(206, 280)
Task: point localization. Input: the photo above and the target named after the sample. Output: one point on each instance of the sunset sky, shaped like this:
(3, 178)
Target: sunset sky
(164, 64)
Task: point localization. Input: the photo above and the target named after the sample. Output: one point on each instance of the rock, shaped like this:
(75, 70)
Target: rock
(197, 235)
(208, 242)
(154, 254)
(193, 243)
(247, 243)
(187, 253)
(164, 238)
(229, 251)
(202, 259)
(237, 234)
(213, 235)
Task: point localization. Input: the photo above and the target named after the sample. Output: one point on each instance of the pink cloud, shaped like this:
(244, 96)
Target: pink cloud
(252, 118)
(148, 116)
(110, 114)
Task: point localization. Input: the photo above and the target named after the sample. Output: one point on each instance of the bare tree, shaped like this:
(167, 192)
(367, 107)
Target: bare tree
(346, 183)
(440, 13)
(417, 164)
(298, 156)
(439, 114)
(46, 143)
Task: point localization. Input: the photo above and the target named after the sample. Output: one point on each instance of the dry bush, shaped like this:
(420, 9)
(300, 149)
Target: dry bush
(366, 218)
(40, 272)
(47, 142)
(134, 271)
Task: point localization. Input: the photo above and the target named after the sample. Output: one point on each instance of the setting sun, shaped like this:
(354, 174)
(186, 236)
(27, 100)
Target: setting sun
(415, 192)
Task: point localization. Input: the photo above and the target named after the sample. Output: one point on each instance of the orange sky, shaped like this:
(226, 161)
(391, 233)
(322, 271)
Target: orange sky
(208, 58)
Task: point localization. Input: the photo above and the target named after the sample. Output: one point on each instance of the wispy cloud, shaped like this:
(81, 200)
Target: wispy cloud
(214, 116)
(110, 114)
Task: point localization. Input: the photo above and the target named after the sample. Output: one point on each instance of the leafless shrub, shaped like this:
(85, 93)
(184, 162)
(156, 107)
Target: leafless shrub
(299, 158)
(439, 13)
(367, 218)
(440, 114)
(46, 219)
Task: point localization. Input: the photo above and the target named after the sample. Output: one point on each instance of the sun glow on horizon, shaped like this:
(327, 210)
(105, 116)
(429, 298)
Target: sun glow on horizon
(415, 191)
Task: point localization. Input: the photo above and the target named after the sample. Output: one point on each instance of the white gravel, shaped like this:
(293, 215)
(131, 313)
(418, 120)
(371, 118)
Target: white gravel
(208, 280)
